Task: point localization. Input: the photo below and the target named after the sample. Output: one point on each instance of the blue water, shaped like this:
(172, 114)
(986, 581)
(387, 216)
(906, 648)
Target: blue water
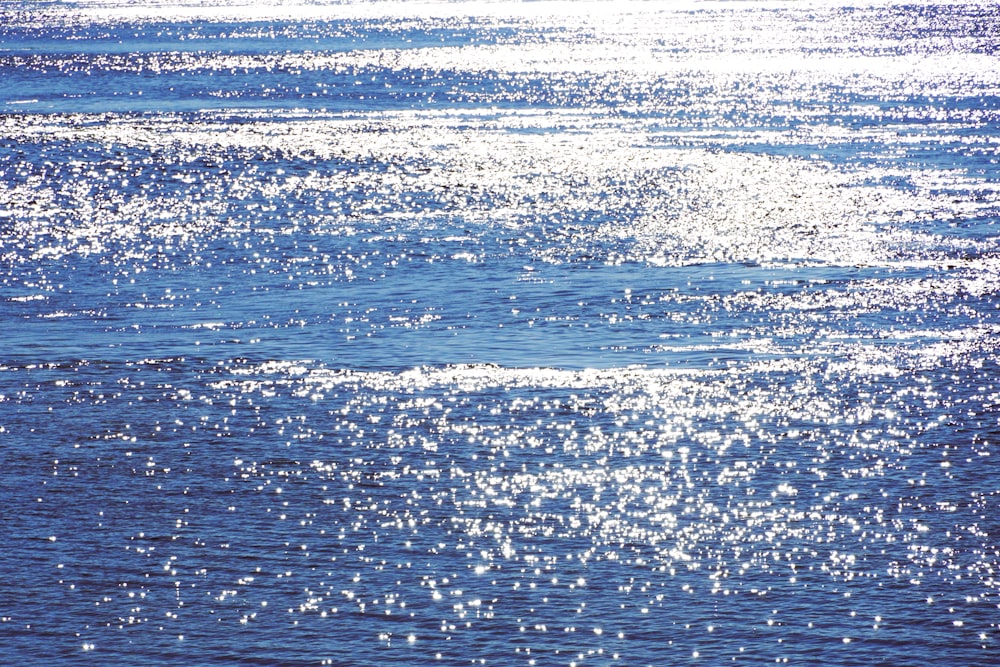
(499, 333)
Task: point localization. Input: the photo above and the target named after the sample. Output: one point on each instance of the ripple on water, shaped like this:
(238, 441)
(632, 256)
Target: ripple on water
(439, 508)
(146, 190)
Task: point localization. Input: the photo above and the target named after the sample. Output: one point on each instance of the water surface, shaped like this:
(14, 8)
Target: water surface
(499, 333)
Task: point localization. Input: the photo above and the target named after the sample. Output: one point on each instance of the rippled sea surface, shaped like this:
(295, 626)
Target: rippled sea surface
(548, 333)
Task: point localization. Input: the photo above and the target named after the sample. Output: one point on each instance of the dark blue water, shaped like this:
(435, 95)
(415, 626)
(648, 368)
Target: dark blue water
(505, 333)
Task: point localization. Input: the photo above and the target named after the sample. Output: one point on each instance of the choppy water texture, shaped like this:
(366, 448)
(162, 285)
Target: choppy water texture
(502, 334)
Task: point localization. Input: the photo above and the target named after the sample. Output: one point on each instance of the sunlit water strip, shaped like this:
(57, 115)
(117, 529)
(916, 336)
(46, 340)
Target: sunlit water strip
(499, 333)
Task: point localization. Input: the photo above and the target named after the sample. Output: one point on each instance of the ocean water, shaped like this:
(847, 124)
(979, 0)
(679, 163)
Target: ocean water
(503, 333)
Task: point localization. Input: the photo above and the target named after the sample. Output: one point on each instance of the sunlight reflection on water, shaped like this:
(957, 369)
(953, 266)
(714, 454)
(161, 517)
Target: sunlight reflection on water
(545, 333)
